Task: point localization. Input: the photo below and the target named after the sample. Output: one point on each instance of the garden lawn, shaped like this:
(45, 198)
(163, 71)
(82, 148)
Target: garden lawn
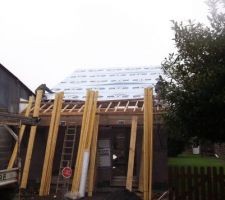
(196, 160)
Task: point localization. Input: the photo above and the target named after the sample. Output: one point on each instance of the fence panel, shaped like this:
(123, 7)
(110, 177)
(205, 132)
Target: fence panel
(196, 183)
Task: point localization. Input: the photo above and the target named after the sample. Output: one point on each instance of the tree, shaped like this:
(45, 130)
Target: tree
(194, 82)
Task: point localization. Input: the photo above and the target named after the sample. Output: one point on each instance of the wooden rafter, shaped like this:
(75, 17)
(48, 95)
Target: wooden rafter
(103, 107)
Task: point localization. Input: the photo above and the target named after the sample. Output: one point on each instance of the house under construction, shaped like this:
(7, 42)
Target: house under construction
(117, 130)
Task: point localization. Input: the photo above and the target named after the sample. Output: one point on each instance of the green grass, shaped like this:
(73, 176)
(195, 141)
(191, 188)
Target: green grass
(196, 160)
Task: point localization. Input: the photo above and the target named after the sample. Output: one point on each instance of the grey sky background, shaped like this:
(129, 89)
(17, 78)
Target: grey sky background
(44, 41)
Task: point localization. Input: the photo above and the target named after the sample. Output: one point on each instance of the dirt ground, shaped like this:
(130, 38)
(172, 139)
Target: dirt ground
(118, 195)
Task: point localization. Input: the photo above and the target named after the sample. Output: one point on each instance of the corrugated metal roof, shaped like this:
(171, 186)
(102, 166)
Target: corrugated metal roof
(112, 83)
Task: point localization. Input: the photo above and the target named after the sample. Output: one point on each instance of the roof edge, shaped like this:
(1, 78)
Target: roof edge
(7, 71)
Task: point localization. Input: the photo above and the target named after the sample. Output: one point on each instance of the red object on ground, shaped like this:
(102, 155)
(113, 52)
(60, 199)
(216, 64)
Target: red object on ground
(67, 172)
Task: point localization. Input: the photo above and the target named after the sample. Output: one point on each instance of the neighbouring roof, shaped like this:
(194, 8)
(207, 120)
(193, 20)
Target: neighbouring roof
(112, 83)
(20, 82)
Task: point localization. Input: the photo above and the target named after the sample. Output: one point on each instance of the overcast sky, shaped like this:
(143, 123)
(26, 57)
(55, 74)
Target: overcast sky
(44, 41)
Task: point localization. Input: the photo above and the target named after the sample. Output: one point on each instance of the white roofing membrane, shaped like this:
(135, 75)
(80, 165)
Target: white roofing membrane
(111, 83)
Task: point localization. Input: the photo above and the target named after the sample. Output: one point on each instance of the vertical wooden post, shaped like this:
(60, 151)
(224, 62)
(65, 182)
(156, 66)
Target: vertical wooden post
(92, 165)
(130, 167)
(83, 137)
(150, 140)
(148, 143)
(31, 141)
(140, 181)
(50, 147)
(92, 120)
(54, 140)
(21, 132)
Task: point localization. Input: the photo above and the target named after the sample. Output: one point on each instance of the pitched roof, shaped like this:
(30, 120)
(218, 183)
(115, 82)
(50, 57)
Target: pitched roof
(11, 74)
(112, 83)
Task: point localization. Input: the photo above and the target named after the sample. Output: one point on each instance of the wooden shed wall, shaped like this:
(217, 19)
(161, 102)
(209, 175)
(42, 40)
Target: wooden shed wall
(11, 90)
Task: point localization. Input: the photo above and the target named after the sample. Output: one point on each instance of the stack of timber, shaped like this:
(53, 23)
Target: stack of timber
(87, 144)
(50, 147)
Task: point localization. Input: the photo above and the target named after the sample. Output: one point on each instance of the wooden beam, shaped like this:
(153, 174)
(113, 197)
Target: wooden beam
(83, 136)
(140, 182)
(130, 167)
(92, 165)
(81, 108)
(125, 109)
(116, 107)
(135, 107)
(31, 141)
(48, 108)
(65, 107)
(150, 140)
(72, 108)
(146, 149)
(47, 150)
(92, 120)
(53, 144)
(50, 147)
(21, 132)
(106, 110)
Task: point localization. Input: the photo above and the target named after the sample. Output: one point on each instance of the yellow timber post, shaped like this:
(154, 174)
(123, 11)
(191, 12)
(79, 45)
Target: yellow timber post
(31, 141)
(21, 132)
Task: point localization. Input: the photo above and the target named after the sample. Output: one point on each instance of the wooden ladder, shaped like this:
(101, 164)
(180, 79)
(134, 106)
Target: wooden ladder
(62, 184)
